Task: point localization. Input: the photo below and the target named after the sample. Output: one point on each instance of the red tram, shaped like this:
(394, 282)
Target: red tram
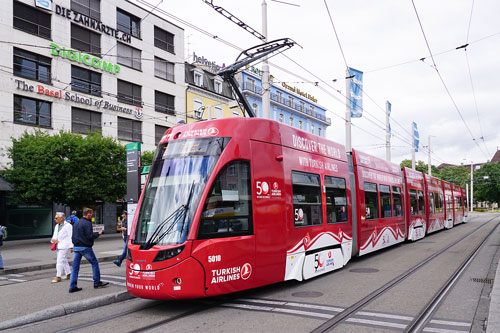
(238, 203)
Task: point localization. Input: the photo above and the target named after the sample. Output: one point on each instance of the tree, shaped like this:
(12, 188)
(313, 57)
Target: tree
(459, 175)
(66, 168)
(421, 166)
(147, 158)
(487, 182)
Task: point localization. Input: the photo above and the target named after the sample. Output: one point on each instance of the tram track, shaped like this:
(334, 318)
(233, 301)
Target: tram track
(425, 315)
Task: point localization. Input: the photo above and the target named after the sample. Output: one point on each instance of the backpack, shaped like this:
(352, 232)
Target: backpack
(72, 219)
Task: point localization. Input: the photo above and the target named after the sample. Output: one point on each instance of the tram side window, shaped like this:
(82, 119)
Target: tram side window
(413, 202)
(371, 201)
(385, 201)
(432, 208)
(397, 203)
(421, 203)
(307, 208)
(449, 203)
(336, 199)
(227, 210)
(441, 203)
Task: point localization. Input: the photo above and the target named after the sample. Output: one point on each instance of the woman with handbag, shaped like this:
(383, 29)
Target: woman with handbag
(61, 241)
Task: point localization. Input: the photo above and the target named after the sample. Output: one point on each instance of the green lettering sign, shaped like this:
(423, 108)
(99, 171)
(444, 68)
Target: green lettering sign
(83, 58)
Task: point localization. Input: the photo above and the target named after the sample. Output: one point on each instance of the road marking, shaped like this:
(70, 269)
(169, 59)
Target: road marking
(17, 280)
(114, 277)
(377, 319)
(117, 252)
(15, 275)
(110, 281)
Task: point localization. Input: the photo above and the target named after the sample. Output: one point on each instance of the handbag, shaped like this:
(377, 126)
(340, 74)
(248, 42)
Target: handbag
(53, 247)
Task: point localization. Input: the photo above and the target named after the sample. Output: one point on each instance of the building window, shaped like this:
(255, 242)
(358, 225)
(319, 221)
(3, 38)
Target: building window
(307, 208)
(129, 93)
(282, 118)
(336, 199)
(128, 23)
(198, 77)
(31, 65)
(218, 86)
(198, 108)
(85, 81)
(302, 106)
(30, 111)
(312, 128)
(164, 40)
(85, 121)
(279, 96)
(250, 84)
(319, 131)
(31, 20)
(164, 103)
(85, 40)
(159, 132)
(291, 121)
(217, 112)
(129, 129)
(90, 8)
(255, 108)
(164, 69)
(371, 201)
(290, 101)
(129, 56)
(300, 124)
(311, 110)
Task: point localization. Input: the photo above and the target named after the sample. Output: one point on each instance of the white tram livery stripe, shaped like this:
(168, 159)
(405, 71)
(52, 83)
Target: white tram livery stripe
(386, 237)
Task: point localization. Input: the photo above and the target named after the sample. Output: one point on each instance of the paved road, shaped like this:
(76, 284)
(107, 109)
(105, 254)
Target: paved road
(294, 306)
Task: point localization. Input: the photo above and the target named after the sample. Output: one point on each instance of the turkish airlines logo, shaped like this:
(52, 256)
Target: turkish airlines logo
(213, 131)
(246, 271)
(275, 185)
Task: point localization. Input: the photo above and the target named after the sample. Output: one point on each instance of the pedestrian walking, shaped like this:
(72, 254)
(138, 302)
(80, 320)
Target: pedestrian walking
(62, 238)
(123, 228)
(83, 240)
(3, 233)
(72, 218)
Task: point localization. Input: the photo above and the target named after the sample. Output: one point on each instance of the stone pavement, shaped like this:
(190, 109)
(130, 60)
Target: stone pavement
(35, 254)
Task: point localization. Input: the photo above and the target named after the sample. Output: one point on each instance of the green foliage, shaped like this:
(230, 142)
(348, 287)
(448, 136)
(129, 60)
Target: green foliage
(487, 182)
(421, 166)
(147, 158)
(66, 168)
(459, 175)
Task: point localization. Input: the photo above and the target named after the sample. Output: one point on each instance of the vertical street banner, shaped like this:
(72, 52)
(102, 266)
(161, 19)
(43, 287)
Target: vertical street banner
(416, 138)
(133, 171)
(389, 109)
(356, 93)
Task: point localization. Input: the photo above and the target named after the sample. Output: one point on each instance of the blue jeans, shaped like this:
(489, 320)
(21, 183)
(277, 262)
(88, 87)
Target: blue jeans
(88, 253)
(1, 259)
(124, 253)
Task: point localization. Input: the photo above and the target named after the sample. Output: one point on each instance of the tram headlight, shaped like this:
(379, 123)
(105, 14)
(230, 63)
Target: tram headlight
(168, 254)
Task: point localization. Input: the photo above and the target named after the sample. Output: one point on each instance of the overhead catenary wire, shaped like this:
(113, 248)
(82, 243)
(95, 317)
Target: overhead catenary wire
(442, 80)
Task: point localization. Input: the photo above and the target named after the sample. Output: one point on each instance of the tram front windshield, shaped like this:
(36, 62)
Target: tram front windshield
(179, 173)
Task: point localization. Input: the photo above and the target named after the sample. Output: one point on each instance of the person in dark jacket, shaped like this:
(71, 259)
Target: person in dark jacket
(83, 240)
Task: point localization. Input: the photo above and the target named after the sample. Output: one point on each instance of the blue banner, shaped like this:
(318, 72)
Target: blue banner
(356, 93)
(389, 107)
(416, 137)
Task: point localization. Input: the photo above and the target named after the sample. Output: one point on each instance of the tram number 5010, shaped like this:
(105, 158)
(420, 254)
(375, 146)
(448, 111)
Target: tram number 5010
(216, 258)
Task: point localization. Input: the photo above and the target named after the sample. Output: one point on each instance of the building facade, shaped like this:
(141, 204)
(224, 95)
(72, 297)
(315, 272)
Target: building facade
(207, 95)
(289, 105)
(88, 65)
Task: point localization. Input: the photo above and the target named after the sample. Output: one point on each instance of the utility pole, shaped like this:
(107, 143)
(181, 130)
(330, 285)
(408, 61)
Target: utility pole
(266, 88)
(429, 172)
(387, 132)
(348, 144)
(471, 187)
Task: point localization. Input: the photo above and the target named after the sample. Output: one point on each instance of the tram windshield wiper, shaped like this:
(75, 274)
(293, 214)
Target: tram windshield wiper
(173, 219)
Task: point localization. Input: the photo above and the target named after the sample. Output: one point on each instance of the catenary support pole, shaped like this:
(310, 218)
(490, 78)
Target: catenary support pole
(471, 186)
(266, 87)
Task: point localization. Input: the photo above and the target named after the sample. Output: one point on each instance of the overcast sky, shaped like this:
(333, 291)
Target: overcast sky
(375, 35)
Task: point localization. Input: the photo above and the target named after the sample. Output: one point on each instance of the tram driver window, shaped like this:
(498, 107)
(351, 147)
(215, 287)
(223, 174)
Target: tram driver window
(307, 209)
(413, 202)
(227, 210)
(336, 199)
(385, 201)
(397, 203)
(371, 201)
(421, 203)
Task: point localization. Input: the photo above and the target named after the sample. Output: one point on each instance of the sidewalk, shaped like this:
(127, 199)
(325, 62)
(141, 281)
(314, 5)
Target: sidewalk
(35, 254)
